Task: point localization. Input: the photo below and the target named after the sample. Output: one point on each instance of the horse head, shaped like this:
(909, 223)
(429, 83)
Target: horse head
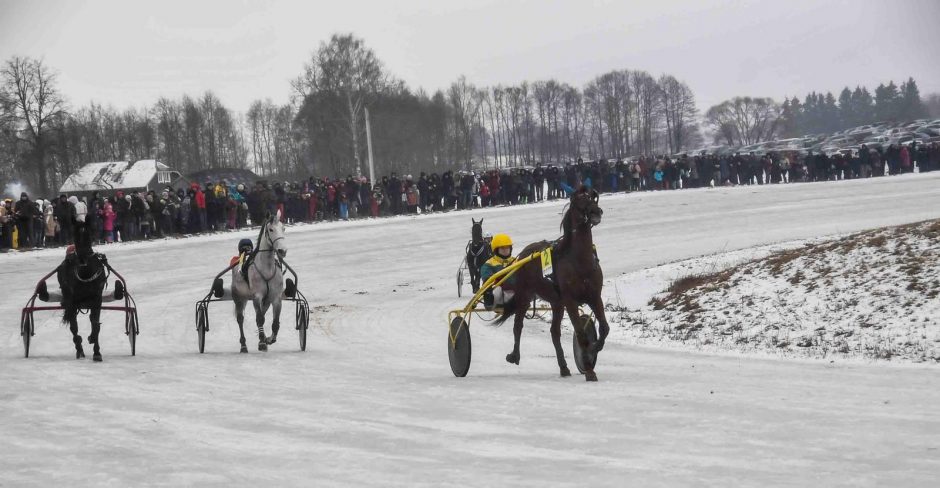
(477, 230)
(585, 206)
(272, 235)
(82, 232)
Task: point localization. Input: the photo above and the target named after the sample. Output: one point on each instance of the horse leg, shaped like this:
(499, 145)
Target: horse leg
(275, 321)
(76, 339)
(558, 311)
(474, 278)
(95, 317)
(597, 306)
(581, 334)
(240, 317)
(523, 303)
(259, 319)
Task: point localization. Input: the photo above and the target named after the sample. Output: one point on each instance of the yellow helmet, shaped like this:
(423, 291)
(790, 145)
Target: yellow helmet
(500, 240)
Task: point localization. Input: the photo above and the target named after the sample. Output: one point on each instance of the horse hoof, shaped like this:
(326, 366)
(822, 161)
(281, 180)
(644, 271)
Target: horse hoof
(96, 357)
(244, 349)
(262, 346)
(512, 358)
(79, 354)
(590, 376)
(565, 373)
(270, 340)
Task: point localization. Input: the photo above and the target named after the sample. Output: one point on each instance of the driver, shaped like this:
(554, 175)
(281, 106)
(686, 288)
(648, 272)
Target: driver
(245, 246)
(502, 257)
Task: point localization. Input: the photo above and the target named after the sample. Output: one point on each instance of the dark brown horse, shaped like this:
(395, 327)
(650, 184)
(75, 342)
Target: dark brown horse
(82, 278)
(577, 281)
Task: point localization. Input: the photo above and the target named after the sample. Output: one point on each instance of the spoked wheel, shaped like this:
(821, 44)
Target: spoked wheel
(26, 330)
(130, 327)
(303, 320)
(202, 325)
(587, 325)
(458, 347)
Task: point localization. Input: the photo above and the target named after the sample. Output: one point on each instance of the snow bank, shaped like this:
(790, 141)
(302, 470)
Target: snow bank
(868, 295)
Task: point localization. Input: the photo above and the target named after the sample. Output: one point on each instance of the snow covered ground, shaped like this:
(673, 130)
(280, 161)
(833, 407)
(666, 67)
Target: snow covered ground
(372, 401)
(868, 295)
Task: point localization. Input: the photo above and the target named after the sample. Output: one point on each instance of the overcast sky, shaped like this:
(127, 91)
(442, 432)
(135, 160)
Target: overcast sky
(128, 53)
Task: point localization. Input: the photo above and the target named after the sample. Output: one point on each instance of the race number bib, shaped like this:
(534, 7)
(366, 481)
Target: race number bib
(547, 263)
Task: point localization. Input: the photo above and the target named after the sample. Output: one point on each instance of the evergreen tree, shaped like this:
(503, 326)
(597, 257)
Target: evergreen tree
(847, 112)
(863, 105)
(830, 114)
(910, 106)
(886, 102)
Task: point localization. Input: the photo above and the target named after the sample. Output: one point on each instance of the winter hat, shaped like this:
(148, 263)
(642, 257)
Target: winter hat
(80, 209)
(23, 195)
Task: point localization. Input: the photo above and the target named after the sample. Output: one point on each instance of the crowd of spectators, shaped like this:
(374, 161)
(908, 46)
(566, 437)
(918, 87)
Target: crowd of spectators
(220, 206)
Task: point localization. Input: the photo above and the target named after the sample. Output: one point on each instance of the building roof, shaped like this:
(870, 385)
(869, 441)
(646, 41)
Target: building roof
(232, 176)
(113, 175)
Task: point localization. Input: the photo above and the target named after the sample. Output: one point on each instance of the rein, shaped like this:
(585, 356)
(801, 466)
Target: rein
(278, 263)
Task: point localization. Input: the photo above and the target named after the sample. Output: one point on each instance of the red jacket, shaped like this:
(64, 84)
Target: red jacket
(200, 200)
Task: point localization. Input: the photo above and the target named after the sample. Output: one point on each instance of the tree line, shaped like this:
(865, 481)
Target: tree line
(745, 120)
(322, 129)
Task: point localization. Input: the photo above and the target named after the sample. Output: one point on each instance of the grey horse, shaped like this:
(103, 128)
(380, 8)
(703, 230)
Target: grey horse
(265, 285)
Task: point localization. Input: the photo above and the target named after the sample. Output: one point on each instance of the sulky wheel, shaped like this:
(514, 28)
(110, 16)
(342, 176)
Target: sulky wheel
(26, 330)
(303, 320)
(202, 325)
(130, 328)
(458, 347)
(587, 325)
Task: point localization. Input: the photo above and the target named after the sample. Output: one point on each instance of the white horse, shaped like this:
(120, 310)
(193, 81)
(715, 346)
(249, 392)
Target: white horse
(265, 285)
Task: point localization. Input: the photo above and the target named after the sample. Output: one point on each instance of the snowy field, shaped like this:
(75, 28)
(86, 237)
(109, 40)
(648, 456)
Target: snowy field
(373, 402)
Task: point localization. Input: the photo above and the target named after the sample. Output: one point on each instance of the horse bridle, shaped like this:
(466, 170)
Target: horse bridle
(586, 213)
(266, 233)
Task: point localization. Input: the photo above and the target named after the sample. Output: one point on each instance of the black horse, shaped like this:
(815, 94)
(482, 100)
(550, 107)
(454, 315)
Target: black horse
(82, 278)
(478, 251)
(577, 280)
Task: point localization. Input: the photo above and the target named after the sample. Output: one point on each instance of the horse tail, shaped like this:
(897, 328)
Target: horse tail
(509, 309)
(70, 315)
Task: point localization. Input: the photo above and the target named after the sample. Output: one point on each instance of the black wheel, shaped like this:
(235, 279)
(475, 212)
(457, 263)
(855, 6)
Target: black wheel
(26, 330)
(460, 282)
(587, 325)
(303, 320)
(202, 324)
(119, 290)
(458, 347)
(131, 329)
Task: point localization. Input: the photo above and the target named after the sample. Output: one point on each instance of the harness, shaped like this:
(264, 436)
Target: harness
(84, 264)
(480, 250)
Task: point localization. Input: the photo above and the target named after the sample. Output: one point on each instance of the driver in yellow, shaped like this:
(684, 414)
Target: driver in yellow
(502, 257)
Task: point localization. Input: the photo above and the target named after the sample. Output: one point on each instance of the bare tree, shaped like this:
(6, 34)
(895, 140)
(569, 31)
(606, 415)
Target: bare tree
(465, 102)
(744, 120)
(29, 89)
(679, 112)
(349, 72)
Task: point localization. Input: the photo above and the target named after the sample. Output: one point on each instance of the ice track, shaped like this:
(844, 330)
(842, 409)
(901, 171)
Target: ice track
(373, 402)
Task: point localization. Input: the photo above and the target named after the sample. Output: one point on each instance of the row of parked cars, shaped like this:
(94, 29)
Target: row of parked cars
(881, 134)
